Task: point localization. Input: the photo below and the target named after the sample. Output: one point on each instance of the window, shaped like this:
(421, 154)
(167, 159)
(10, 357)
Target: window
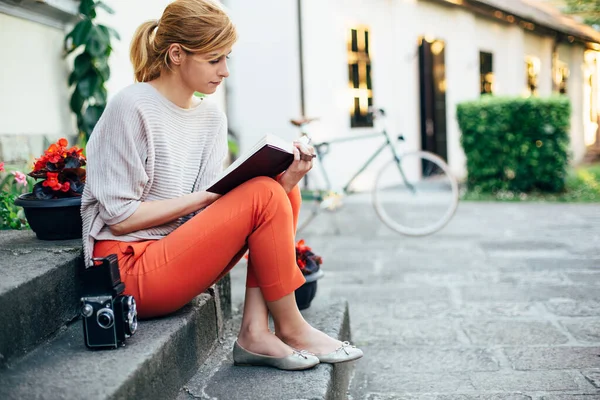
(486, 73)
(532, 70)
(591, 83)
(359, 77)
(561, 74)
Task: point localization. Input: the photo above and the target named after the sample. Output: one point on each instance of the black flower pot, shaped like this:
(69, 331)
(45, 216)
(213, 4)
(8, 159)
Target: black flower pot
(52, 219)
(306, 293)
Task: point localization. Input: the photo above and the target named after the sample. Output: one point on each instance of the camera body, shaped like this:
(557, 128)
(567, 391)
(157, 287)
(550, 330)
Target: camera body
(109, 317)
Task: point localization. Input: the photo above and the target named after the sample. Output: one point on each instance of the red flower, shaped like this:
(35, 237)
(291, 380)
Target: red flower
(307, 261)
(61, 169)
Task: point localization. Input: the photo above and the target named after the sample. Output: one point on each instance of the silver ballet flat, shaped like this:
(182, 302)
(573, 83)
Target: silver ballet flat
(346, 352)
(296, 361)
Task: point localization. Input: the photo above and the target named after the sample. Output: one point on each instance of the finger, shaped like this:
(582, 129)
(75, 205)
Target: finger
(306, 157)
(303, 148)
(296, 154)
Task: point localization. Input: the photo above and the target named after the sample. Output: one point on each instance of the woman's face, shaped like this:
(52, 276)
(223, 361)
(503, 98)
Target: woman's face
(205, 72)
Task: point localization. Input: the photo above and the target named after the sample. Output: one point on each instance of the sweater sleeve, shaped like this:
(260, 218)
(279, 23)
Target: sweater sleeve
(116, 157)
(216, 157)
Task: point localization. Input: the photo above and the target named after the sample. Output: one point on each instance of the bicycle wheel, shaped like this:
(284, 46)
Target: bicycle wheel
(422, 203)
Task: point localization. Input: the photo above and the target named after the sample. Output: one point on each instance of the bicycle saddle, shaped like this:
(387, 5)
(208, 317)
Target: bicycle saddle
(302, 121)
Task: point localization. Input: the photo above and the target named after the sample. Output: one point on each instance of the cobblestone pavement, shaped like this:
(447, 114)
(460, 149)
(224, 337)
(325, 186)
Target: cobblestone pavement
(504, 303)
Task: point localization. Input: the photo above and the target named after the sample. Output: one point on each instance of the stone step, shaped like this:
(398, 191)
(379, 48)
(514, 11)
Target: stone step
(39, 290)
(219, 379)
(153, 364)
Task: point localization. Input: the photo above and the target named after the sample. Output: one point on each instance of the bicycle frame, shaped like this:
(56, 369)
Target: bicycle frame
(387, 143)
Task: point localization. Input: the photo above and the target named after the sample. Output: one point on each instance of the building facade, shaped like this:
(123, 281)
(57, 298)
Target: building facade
(332, 59)
(417, 59)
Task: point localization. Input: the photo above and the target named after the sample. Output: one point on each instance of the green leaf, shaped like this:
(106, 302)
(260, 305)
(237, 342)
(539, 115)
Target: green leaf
(81, 65)
(76, 102)
(91, 116)
(81, 33)
(97, 43)
(88, 84)
(88, 8)
(109, 32)
(101, 65)
(113, 33)
(101, 96)
(105, 7)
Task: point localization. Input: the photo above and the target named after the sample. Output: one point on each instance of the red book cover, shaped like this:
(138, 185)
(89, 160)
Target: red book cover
(269, 157)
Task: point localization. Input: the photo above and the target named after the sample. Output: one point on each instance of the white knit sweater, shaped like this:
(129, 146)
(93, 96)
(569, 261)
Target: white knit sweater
(146, 148)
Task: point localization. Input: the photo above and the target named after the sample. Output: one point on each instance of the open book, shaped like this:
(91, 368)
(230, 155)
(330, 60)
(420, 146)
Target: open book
(269, 157)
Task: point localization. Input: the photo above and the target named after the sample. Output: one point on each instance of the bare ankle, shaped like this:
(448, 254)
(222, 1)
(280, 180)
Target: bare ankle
(253, 331)
(288, 334)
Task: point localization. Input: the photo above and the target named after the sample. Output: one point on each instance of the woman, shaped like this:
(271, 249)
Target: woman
(153, 152)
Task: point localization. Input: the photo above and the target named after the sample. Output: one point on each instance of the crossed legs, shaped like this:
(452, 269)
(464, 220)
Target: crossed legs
(164, 275)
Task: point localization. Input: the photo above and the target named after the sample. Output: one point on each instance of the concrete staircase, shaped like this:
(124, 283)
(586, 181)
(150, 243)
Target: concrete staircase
(183, 356)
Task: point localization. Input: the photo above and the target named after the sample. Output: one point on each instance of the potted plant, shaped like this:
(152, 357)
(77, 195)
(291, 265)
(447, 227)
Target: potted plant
(52, 208)
(310, 265)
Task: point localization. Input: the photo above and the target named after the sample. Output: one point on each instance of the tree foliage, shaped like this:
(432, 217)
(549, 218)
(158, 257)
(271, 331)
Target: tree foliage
(588, 10)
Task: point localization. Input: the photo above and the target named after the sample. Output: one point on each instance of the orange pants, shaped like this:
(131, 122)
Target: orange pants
(164, 275)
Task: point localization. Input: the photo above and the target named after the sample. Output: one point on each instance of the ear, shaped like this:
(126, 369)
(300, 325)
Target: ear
(176, 54)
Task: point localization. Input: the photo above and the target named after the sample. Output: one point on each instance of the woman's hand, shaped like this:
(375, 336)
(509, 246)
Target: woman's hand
(303, 156)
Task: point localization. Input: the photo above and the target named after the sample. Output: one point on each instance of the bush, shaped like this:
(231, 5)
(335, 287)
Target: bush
(11, 217)
(515, 144)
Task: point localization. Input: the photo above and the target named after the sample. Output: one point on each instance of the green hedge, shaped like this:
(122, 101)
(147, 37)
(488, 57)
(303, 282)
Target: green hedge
(515, 144)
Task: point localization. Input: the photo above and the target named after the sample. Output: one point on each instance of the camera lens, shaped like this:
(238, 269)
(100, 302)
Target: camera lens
(131, 322)
(131, 325)
(105, 318)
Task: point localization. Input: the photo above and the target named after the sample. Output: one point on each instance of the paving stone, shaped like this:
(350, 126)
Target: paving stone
(393, 293)
(517, 333)
(545, 358)
(570, 397)
(572, 308)
(406, 333)
(524, 293)
(585, 277)
(495, 396)
(429, 359)
(587, 331)
(509, 245)
(593, 376)
(544, 264)
(529, 381)
(531, 278)
(490, 310)
(450, 278)
(391, 382)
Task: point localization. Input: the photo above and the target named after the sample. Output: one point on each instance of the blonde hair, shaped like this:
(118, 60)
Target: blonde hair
(199, 26)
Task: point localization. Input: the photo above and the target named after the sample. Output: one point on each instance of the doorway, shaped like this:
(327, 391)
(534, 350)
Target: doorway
(432, 83)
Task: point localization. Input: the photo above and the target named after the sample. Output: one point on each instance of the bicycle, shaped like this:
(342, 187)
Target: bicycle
(414, 193)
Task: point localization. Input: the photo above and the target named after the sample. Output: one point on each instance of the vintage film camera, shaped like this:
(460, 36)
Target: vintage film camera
(109, 317)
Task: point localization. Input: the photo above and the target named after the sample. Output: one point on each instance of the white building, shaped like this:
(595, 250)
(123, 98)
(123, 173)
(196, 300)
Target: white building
(417, 59)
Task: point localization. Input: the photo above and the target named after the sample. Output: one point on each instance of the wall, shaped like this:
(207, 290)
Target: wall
(264, 86)
(34, 95)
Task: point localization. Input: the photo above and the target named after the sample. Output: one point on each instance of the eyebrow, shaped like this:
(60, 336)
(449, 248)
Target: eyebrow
(218, 54)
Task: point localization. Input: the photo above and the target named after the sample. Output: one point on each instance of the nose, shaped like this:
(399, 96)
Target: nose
(224, 71)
